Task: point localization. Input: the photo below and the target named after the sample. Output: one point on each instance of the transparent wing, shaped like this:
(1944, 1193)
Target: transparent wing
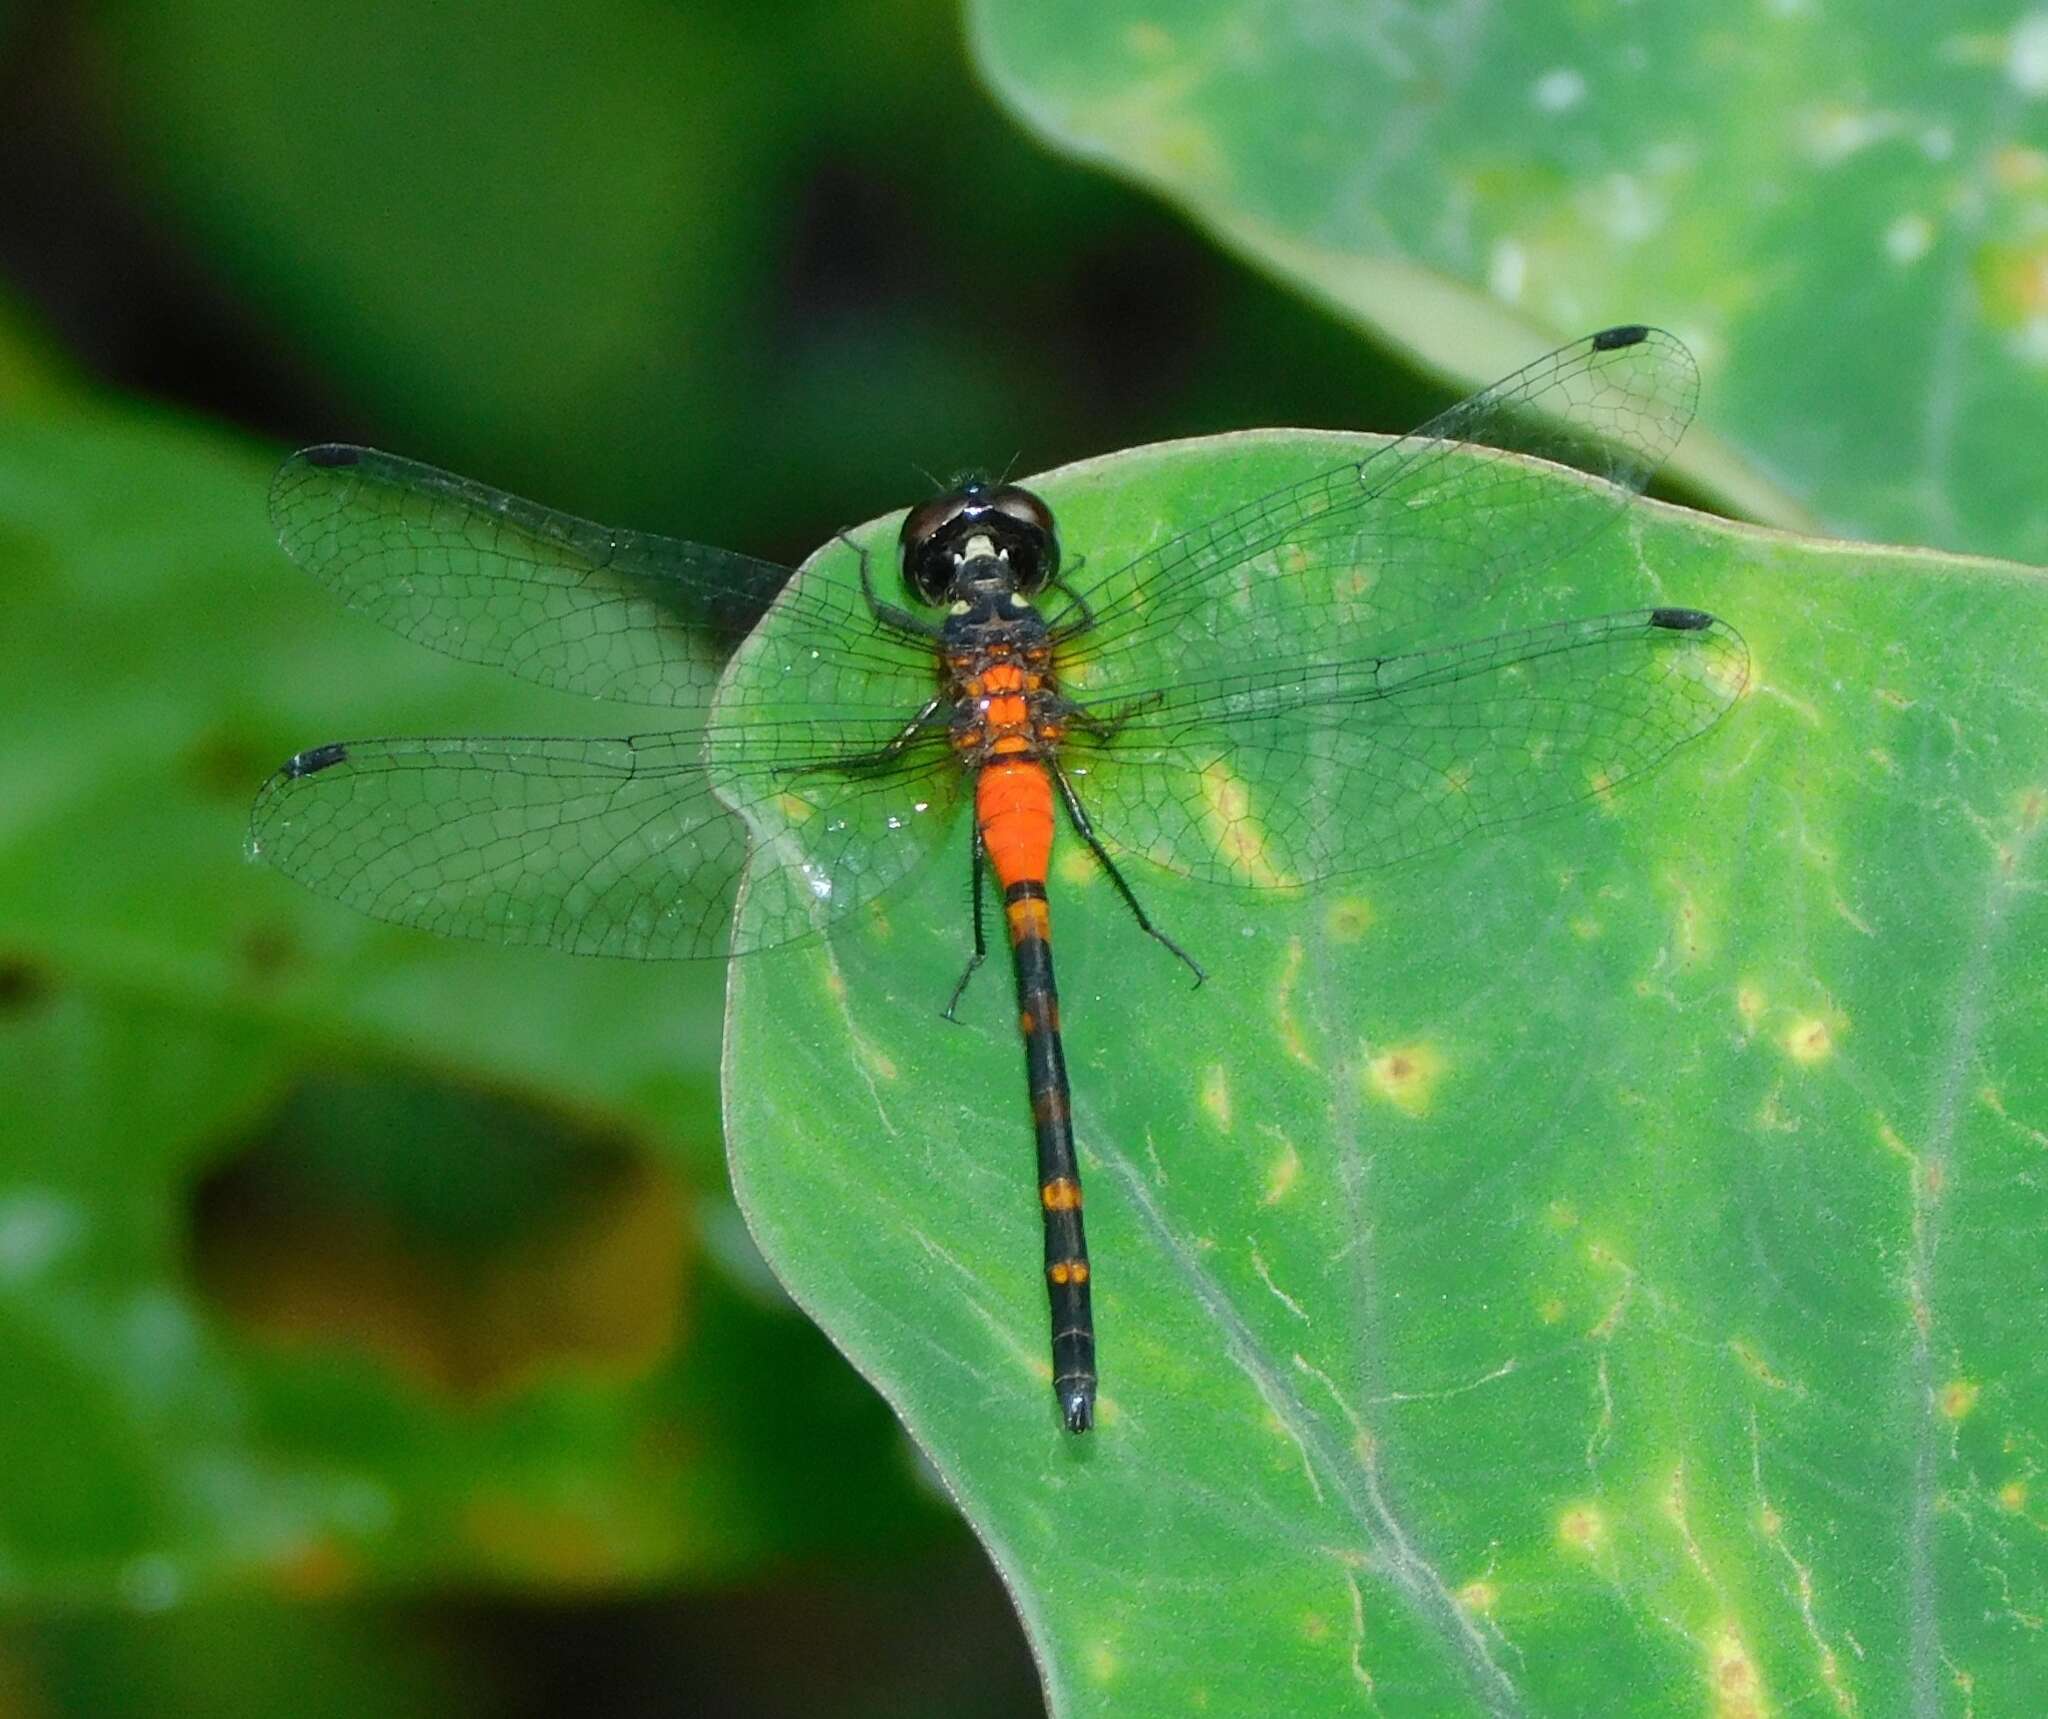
(1278, 774)
(1419, 529)
(489, 578)
(608, 847)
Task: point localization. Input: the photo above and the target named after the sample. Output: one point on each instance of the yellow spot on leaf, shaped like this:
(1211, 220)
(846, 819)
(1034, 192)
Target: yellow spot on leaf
(1770, 1522)
(1348, 919)
(1076, 866)
(1583, 1528)
(1283, 1004)
(1281, 1173)
(1216, 1096)
(1406, 1077)
(1103, 1664)
(2013, 1495)
(1771, 1115)
(1738, 1687)
(1809, 1040)
(1550, 1310)
(1238, 836)
(1315, 1627)
(1480, 1596)
(1958, 1398)
(1749, 1005)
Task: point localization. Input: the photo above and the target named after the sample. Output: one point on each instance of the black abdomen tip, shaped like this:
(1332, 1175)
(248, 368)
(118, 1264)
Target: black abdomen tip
(1077, 1407)
(317, 758)
(1682, 620)
(1628, 334)
(331, 454)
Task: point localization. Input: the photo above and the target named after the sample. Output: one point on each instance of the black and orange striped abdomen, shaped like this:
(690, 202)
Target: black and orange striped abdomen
(1013, 804)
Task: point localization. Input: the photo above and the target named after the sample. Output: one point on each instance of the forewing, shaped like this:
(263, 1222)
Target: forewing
(490, 578)
(605, 847)
(1374, 553)
(1275, 775)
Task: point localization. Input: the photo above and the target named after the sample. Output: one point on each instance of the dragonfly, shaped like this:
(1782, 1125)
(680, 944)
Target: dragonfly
(1306, 685)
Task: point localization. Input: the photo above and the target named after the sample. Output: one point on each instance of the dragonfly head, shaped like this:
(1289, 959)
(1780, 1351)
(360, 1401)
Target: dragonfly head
(980, 534)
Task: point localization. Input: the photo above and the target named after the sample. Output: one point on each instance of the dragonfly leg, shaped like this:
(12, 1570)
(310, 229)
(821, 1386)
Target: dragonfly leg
(980, 936)
(897, 620)
(1086, 831)
(858, 763)
(1083, 617)
(1103, 725)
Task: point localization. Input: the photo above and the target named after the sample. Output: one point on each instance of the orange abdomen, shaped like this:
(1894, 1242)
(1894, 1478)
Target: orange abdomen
(1013, 804)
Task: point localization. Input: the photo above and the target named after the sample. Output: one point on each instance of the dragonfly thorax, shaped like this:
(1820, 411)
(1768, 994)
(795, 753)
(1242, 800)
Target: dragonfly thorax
(980, 541)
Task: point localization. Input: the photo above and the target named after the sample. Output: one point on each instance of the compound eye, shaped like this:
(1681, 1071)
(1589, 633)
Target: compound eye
(926, 543)
(1033, 542)
(1024, 507)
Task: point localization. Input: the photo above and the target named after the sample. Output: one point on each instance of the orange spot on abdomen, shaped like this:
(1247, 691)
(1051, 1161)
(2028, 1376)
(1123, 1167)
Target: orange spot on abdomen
(1013, 802)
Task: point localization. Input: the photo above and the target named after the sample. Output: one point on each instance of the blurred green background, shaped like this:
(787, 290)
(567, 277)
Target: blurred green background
(377, 1331)
(402, 1280)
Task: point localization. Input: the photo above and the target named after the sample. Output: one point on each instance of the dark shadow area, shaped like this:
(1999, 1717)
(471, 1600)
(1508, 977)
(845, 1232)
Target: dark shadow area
(470, 1241)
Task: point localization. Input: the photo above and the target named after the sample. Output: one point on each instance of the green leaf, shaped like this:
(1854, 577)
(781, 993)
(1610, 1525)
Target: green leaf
(1591, 1270)
(1841, 215)
(333, 1257)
